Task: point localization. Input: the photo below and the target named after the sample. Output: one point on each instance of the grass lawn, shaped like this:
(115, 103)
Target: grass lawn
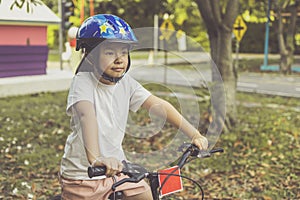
(261, 159)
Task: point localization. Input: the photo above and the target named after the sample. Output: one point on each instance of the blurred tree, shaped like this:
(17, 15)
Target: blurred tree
(219, 17)
(185, 16)
(52, 4)
(136, 12)
(286, 15)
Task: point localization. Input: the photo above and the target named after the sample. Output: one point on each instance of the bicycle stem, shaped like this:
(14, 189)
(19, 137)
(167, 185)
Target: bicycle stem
(183, 159)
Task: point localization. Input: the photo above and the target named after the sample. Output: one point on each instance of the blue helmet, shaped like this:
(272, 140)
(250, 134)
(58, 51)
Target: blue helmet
(101, 27)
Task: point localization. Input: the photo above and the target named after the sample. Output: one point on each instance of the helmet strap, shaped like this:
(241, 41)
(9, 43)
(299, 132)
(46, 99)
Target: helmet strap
(112, 79)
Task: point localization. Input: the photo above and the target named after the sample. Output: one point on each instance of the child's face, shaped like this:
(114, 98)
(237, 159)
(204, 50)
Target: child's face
(114, 59)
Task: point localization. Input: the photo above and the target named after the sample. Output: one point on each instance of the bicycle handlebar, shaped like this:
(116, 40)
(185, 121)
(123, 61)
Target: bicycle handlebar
(193, 151)
(130, 169)
(96, 171)
(137, 172)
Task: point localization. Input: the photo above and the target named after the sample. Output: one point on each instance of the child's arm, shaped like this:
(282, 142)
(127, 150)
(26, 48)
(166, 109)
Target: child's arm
(164, 109)
(86, 113)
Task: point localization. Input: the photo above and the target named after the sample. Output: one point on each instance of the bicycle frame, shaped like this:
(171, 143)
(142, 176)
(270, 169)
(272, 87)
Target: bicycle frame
(154, 185)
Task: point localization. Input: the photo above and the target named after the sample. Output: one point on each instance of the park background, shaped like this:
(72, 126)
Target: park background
(261, 159)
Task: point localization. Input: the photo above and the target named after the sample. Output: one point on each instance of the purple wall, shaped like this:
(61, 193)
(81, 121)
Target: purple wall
(23, 60)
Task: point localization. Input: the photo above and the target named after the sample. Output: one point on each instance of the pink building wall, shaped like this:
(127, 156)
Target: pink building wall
(23, 50)
(23, 35)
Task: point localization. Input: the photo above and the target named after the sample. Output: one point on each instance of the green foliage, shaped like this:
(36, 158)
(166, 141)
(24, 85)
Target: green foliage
(185, 16)
(52, 35)
(256, 8)
(135, 12)
(52, 4)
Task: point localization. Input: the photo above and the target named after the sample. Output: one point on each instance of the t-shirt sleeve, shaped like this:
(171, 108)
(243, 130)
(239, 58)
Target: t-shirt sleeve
(81, 89)
(139, 94)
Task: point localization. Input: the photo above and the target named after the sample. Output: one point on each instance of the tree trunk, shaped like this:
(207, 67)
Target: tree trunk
(229, 75)
(219, 27)
(286, 45)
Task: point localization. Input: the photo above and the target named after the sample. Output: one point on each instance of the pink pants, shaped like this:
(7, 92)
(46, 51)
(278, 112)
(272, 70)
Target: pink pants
(98, 189)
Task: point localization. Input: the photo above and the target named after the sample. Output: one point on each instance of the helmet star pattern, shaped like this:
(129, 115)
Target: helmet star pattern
(103, 26)
(122, 31)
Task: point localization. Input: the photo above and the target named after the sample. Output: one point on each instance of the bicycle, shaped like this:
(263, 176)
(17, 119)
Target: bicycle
(137, 173)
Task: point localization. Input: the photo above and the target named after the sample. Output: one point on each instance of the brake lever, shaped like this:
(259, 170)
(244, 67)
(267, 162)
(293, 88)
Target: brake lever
(132, 169)
(196, 152)
(205, 153)
(117, 184)
(126, 180)
(194, 149)
(135, 172)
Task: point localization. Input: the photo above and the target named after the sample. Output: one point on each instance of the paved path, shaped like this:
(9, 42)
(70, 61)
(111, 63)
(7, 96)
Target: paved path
(198, 75)
(54, 80)
(258, 83)
(280, 85)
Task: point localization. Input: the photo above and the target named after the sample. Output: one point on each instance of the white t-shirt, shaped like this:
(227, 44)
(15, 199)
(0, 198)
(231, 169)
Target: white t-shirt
(112, 104)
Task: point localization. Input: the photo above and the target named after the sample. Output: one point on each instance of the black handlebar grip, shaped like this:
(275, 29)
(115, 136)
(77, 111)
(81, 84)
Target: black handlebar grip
(216, 150)
(96, 171)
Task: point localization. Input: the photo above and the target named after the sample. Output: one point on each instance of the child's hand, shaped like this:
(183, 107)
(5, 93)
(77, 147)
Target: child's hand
(113, 166)
(200, 141)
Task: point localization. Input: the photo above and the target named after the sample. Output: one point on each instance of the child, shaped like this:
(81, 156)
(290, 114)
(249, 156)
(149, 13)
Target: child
(99, 101)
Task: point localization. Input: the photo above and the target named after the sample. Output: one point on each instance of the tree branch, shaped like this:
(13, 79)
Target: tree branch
(216, 10)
